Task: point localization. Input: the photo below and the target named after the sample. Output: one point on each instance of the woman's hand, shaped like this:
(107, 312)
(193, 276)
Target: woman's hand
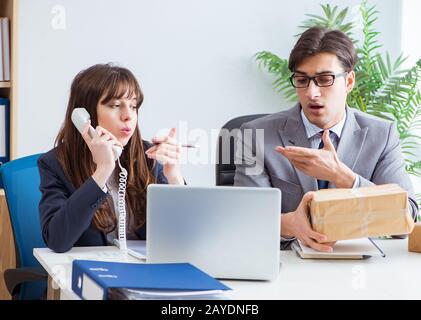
(167, 151)
(100, 146)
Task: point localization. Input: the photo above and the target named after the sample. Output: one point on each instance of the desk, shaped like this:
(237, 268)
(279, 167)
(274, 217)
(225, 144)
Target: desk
(395, 277)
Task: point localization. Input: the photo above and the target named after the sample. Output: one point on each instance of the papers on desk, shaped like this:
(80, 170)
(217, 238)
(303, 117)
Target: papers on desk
(131, 294)
(99, 256)
(136, 248)
(346, 249)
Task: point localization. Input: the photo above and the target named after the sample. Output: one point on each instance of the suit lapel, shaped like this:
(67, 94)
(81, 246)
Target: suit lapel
(352, 140)
(294, 134)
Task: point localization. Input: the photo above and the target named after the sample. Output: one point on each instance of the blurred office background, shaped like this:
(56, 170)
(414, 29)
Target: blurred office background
(194, 60)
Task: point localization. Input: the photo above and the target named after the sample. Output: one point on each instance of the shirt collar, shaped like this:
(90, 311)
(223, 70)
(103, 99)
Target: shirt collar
(312, 129)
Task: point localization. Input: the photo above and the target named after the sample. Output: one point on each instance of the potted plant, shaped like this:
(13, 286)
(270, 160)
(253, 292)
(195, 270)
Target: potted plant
(383, 88)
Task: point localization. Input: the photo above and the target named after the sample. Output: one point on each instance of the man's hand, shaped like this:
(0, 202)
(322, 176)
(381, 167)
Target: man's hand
(322, 164)
(297, 224)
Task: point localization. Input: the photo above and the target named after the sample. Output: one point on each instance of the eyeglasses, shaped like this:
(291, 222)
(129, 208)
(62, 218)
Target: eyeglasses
(323, 80)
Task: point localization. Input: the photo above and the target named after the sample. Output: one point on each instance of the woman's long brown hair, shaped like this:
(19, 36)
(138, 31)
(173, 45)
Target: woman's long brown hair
(100, 84)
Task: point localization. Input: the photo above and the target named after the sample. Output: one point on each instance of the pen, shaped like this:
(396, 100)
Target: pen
(378, 248)
(188, 145)
(184, 145)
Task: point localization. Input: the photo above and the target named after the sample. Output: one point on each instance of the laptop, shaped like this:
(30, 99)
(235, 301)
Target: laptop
(228, 232)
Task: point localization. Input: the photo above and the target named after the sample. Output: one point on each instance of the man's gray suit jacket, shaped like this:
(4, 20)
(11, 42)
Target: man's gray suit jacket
(369, 146)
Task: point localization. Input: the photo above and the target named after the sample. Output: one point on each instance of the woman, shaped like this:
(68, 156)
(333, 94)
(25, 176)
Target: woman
(79, 177)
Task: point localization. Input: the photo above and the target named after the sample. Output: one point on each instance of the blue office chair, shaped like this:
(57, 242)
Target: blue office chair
(21, 185)
(225, 170)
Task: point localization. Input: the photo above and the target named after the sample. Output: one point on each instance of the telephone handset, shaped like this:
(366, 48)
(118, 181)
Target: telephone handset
(79, 118)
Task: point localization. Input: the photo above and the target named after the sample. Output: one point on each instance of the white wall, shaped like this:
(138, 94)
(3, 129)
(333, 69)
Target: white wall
(193, 59)
(410, 43)
(411, 46)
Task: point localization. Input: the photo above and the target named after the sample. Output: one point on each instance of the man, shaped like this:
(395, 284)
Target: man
(320, 142)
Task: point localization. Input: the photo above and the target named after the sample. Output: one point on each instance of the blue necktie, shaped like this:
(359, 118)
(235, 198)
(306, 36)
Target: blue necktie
(322, 184)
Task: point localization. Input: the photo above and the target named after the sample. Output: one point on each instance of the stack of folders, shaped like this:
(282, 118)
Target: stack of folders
(4, 49)
(100, 280)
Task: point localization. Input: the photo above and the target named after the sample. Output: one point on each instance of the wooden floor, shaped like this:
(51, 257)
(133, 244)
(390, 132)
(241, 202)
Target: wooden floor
(7, 246)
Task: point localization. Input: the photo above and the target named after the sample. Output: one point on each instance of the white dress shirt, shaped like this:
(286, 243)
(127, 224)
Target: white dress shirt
(314, 136)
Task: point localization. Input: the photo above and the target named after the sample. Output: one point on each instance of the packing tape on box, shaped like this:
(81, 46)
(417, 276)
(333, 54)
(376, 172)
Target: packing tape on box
(356, 192)
(343, 217)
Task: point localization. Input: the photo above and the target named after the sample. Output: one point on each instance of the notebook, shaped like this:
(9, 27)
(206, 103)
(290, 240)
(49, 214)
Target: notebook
(346, 249)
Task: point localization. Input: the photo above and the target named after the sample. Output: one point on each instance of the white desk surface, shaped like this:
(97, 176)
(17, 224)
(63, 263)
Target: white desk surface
(395, 277)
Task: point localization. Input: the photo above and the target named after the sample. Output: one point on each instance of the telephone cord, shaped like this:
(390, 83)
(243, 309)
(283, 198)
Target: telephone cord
(121, 204)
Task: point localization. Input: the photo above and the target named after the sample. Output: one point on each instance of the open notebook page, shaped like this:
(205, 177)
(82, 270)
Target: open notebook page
(345, 249)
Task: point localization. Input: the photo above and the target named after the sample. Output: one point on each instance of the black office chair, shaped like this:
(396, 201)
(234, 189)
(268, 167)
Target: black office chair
(225, 167)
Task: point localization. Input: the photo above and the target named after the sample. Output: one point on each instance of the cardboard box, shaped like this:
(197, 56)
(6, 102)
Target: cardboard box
(342, 214)
(414, 239)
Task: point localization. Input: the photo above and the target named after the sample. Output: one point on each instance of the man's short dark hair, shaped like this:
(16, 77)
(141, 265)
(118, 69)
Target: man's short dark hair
(317, 40)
